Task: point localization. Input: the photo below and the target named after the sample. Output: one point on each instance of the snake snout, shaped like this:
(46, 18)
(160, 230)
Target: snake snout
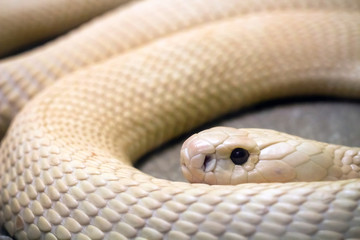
(197, 158)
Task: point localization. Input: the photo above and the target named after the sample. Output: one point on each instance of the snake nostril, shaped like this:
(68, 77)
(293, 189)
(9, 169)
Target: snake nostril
(209, 163)
(206, 162)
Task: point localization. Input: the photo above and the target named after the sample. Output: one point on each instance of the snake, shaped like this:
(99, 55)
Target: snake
(121, 85)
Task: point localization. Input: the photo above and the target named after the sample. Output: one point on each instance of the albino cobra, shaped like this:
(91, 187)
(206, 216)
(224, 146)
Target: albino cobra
(151, 71)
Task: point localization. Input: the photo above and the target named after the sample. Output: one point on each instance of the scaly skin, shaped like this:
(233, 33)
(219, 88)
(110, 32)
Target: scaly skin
(66, 159)
(273, 157)
(32, 21)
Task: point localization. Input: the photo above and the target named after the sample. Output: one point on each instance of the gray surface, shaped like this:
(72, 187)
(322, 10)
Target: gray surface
(323, 120)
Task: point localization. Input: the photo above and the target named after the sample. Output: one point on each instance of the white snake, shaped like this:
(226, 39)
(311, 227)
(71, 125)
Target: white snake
(158, 69)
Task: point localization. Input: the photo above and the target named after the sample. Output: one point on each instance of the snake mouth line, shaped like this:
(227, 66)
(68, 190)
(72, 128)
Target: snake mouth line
(209, 163)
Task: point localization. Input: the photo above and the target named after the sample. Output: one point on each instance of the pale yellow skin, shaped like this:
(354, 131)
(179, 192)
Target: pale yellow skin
(273, 157)
(152, 71)
(29, 22)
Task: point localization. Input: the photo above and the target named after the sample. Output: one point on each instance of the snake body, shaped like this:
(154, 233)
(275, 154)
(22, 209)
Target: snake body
(66, 160)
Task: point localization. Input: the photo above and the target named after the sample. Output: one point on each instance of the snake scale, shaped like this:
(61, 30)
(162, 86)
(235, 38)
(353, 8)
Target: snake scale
(127, 82)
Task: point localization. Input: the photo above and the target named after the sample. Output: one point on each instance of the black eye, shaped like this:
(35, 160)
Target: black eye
(239, 156)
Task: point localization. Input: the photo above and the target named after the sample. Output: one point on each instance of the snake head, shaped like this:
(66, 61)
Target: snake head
(232, 156)
(219, 155)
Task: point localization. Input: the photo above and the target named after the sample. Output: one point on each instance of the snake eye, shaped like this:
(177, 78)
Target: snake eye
(239, 156)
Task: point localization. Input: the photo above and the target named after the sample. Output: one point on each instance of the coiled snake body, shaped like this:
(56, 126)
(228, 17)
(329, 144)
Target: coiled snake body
(162, 68)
